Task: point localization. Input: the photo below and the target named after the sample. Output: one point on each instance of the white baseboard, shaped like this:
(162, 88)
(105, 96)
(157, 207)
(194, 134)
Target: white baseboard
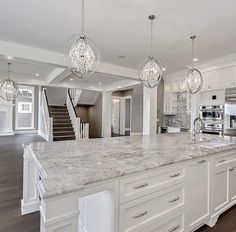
(136, 133)
(31, 207)
(5, 133)
(43, 135)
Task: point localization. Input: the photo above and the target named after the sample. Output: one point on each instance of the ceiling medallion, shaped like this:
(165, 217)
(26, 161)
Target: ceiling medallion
(82, 55)
(8, 88)
(194, 80)
(150, 70)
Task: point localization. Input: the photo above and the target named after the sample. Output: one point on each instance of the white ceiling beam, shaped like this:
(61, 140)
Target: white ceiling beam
(58, 59)
(57, 75)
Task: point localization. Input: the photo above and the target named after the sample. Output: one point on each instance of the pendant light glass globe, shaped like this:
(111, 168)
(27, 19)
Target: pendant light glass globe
(8, 88)
(82, 55)
(150, 70)
(194, 80)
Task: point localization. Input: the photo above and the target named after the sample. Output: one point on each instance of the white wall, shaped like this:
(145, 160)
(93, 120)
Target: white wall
(56, 95)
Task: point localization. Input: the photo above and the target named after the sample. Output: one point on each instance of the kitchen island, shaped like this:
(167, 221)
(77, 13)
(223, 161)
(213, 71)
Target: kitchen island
(128, 184)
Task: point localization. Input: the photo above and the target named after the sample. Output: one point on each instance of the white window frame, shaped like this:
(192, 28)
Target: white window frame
(32, 89)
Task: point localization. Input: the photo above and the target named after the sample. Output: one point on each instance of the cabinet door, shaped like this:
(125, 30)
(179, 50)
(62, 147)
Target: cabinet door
(214, 79)
(227, 77)
(198, 188)
(205, 77)
(220, 191)
(232, 183)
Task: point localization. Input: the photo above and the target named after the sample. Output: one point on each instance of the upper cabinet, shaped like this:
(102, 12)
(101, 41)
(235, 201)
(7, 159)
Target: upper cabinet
(220, 78)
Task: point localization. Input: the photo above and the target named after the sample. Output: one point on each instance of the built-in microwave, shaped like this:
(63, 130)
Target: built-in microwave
(212, 112)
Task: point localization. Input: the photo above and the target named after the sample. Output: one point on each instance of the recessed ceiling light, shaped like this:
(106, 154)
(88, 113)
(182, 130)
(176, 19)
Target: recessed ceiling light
(10, 57)
(164, 69)
(195, 59)
(119, 87)
(71, 79)
(99, 83)
(121, 56)
(36, 74)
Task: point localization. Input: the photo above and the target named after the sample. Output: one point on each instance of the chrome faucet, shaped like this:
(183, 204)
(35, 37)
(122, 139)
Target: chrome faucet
(195, 129)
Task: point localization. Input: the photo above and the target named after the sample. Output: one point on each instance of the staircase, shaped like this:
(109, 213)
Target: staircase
(62, 126)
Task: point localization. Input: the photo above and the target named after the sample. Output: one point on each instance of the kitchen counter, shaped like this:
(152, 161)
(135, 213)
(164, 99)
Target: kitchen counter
(69, 166)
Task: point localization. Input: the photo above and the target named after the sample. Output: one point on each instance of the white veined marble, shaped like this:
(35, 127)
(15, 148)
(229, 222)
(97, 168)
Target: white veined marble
(68, 166)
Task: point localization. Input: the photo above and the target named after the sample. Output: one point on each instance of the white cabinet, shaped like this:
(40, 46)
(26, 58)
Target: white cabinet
(220, 191)
(170, 99)
(232, 183)
(227, 77)
(219, 78)
(198, 193)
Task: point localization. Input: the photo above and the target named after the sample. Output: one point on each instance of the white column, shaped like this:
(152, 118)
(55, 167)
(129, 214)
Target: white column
(149, 111)
(106, 114)
(30, 202)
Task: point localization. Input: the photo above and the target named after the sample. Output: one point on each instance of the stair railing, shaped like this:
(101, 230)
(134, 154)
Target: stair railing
(48, 120)
(84, 130)
(73, 116)
(75, 95)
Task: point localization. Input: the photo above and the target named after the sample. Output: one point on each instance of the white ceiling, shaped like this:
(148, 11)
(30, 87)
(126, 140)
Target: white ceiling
(121, 27)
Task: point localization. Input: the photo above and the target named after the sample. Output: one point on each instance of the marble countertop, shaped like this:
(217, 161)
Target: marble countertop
(69, 166)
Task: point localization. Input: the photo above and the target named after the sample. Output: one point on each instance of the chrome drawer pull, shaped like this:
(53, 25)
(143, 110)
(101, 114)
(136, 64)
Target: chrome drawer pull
(174, 229)
(221, 161)
(201, 161)
(174, 200)
(175, 175)
(140, 186)
(231, 169)
(140, 215)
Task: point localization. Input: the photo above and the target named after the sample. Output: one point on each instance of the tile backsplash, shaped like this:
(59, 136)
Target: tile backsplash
(182, 117)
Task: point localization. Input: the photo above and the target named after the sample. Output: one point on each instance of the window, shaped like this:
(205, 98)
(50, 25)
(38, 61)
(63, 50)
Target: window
(25, 108)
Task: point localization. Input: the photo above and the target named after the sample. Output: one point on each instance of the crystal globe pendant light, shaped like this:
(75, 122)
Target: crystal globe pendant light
(194, 79)
(150, 70)
(82, 55)
(8, 88)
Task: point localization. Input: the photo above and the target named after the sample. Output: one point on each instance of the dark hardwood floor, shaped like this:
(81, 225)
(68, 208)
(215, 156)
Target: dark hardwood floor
(11, 170)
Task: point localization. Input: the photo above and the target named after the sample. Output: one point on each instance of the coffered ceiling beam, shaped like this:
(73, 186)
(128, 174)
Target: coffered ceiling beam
(58, 59)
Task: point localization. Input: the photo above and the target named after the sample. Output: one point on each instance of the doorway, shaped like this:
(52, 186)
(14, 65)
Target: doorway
(121, 116)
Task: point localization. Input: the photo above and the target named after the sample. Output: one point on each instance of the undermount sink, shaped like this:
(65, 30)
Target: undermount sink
(212, 145)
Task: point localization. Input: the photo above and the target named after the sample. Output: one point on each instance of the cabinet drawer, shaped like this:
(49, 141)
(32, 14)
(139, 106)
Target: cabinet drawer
(141, 185)
(175, 224)
(224, 160)
(145, 211)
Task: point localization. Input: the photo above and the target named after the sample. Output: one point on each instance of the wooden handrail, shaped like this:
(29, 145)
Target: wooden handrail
(46, 96)
(72, 103)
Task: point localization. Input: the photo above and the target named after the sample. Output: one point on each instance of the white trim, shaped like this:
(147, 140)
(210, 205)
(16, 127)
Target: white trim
(43, 135)
(6, 133)
(136, 133)
(22, 132)
(27, 208)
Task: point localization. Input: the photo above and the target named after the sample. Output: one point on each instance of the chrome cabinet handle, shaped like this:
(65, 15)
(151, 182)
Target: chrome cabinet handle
(140, 186)
(174, 200)
(174, 229)
(231, 169)
(140, 215)
(175, 175)
(221, 161)
(201, 161)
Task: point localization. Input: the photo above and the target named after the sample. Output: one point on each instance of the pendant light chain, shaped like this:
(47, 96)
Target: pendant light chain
(82, 17)
(9, 71)
(151, 36)
(193, 51)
